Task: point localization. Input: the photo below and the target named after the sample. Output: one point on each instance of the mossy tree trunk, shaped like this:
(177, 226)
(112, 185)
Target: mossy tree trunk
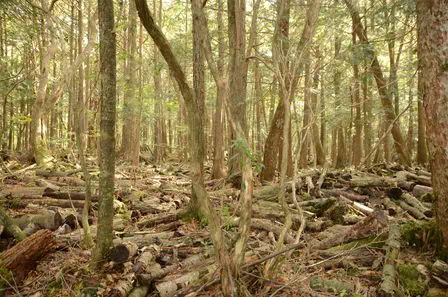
(108, 65)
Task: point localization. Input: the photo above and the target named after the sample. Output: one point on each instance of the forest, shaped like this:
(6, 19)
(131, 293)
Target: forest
(224, 148)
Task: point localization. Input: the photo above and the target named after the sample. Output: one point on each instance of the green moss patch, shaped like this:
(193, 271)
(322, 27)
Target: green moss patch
(412, 282)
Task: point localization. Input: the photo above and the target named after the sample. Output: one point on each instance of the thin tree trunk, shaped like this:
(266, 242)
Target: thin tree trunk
(108, 92)
(357, 138)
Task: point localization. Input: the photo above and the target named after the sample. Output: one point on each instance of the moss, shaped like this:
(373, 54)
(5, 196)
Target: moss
(5, 277)
(411, 280)
(425, 236)
(191, 215)
(54, 288)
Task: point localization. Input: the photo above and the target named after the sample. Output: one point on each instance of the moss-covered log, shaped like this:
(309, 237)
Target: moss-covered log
(388, 286)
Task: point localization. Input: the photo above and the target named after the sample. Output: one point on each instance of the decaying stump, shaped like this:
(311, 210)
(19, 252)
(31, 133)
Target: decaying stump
(23, 257)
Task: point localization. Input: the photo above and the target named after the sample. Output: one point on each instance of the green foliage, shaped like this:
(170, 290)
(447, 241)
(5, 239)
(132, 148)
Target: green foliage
(411, 280)
(6, 277)
(424, 236)
(242, 146)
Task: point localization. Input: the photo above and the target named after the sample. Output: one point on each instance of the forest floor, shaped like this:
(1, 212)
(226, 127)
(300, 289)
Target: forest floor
(368, 233)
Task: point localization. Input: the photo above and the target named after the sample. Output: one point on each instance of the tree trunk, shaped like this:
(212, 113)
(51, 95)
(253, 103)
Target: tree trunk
(196, 136)
(108, 65)
(238, 77)
(432, 20)
(131, 109)
(357, 138)
(340, 151)
(320, 154)
(386, 100)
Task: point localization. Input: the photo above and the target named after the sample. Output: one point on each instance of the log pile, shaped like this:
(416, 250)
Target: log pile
(353, 223)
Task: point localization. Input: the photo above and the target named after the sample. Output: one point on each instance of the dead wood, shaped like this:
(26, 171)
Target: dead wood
(388, 285)
(380, 182)
(123, 252)
(365, 228)
(162, 218)
(331, 285)
(169, 288)
(23, 257)
(146, 239)
(123, 287)
(419, 190)
(10, 226)
(346, 194)
(145, 260)
(49, 192)
(440, 272)
(416, 213)
(155, 272)
(140, 291)
(263, 224)
(152, 206)
(414, 202)
(45, 173)
(419, 179)
(47, 220)
(46, 184)
(55, 202)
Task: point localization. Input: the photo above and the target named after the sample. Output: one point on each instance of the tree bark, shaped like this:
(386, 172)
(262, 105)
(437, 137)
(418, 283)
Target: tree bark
(196, 136)
(432, 20)
(108, 93)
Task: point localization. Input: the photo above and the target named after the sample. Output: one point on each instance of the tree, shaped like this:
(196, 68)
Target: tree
(432, 19)
(385, 97)
(131, 112)
(108, 64)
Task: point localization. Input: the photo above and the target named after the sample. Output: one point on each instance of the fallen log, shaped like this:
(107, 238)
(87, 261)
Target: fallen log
(140, 291)
(414, 202)
(388, 285)
(48, 192)
(123, 252)
(380, 182)
(352, 196)
(46, 173)
(162, 218)
(145, 260)
(440, 272)
(331, 285)
(153, 206)
(156, 272)
(50, 220)
(55, 202)
(416, 213)
(23, 257)
(47, 185)
(419, 190)
(169, 288)
(419, 179)
(10, 226)
(146, 239)
(365, 228)
(263, 224)
(123, 287)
